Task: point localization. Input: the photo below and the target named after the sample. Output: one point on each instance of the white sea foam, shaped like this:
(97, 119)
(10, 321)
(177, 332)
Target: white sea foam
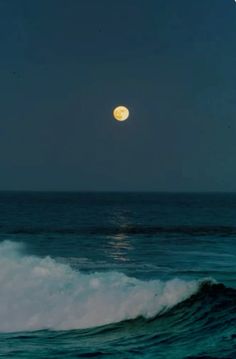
(39, 293)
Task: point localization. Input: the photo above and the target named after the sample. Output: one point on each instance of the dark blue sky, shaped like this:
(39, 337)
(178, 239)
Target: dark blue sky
(65, 64)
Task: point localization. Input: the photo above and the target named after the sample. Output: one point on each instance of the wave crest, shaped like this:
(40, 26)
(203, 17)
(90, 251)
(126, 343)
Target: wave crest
(40, 293)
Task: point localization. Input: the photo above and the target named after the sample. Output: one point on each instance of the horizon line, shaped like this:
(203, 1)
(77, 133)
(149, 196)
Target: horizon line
(118, 191)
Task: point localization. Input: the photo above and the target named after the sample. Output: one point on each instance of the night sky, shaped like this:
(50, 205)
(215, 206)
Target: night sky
(65, 64)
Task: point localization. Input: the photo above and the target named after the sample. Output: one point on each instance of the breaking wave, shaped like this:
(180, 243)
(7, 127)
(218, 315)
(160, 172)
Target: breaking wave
(40, 293)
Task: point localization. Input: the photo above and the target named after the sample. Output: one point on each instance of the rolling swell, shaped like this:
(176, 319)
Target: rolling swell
(131, 230)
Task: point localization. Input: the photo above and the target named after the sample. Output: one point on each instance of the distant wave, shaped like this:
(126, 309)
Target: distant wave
(132, 230)
(39, 293)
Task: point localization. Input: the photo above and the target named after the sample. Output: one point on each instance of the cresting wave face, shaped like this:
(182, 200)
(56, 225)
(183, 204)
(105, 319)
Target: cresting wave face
(39, 293)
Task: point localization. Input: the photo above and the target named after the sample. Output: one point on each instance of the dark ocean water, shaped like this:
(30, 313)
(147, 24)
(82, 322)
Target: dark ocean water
(117, 275)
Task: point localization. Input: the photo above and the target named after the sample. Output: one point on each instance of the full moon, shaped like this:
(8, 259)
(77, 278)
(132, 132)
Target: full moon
(121, 113)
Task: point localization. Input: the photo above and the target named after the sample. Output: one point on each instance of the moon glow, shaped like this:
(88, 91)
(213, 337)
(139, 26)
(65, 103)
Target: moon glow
(121, 113)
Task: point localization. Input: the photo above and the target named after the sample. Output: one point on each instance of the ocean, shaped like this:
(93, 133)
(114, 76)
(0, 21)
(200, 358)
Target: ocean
(117, 275)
